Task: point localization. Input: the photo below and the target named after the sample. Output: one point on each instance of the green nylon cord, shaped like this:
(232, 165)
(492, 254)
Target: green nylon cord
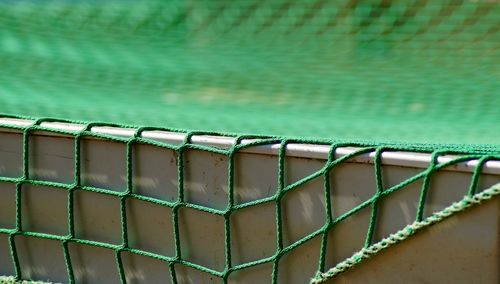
(179, 259)
(367, 252)
(410, 75)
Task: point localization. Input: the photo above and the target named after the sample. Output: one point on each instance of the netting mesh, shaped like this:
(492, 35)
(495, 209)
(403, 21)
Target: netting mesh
(412, 70)
(473, 197)
(422, 73)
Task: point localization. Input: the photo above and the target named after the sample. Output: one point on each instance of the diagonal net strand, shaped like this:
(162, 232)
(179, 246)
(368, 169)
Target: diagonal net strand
(367, 252)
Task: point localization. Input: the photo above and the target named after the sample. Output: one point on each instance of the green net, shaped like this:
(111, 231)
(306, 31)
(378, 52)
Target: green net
(474, 196)
(412, 70)
(419, 76)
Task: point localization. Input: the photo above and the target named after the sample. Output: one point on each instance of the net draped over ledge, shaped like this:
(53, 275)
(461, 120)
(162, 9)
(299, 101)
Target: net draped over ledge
(473, 197)
(419, 76)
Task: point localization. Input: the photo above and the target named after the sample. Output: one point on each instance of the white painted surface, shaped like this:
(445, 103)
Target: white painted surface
(253, 232)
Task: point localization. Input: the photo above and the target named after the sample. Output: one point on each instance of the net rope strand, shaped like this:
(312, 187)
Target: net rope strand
(368, 252)
(224, 66)
(369, 249)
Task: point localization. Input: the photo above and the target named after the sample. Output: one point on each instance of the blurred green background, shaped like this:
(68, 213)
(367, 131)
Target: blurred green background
(407, 71)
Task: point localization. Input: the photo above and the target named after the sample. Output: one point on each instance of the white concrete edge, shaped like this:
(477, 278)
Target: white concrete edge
(312, 151)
